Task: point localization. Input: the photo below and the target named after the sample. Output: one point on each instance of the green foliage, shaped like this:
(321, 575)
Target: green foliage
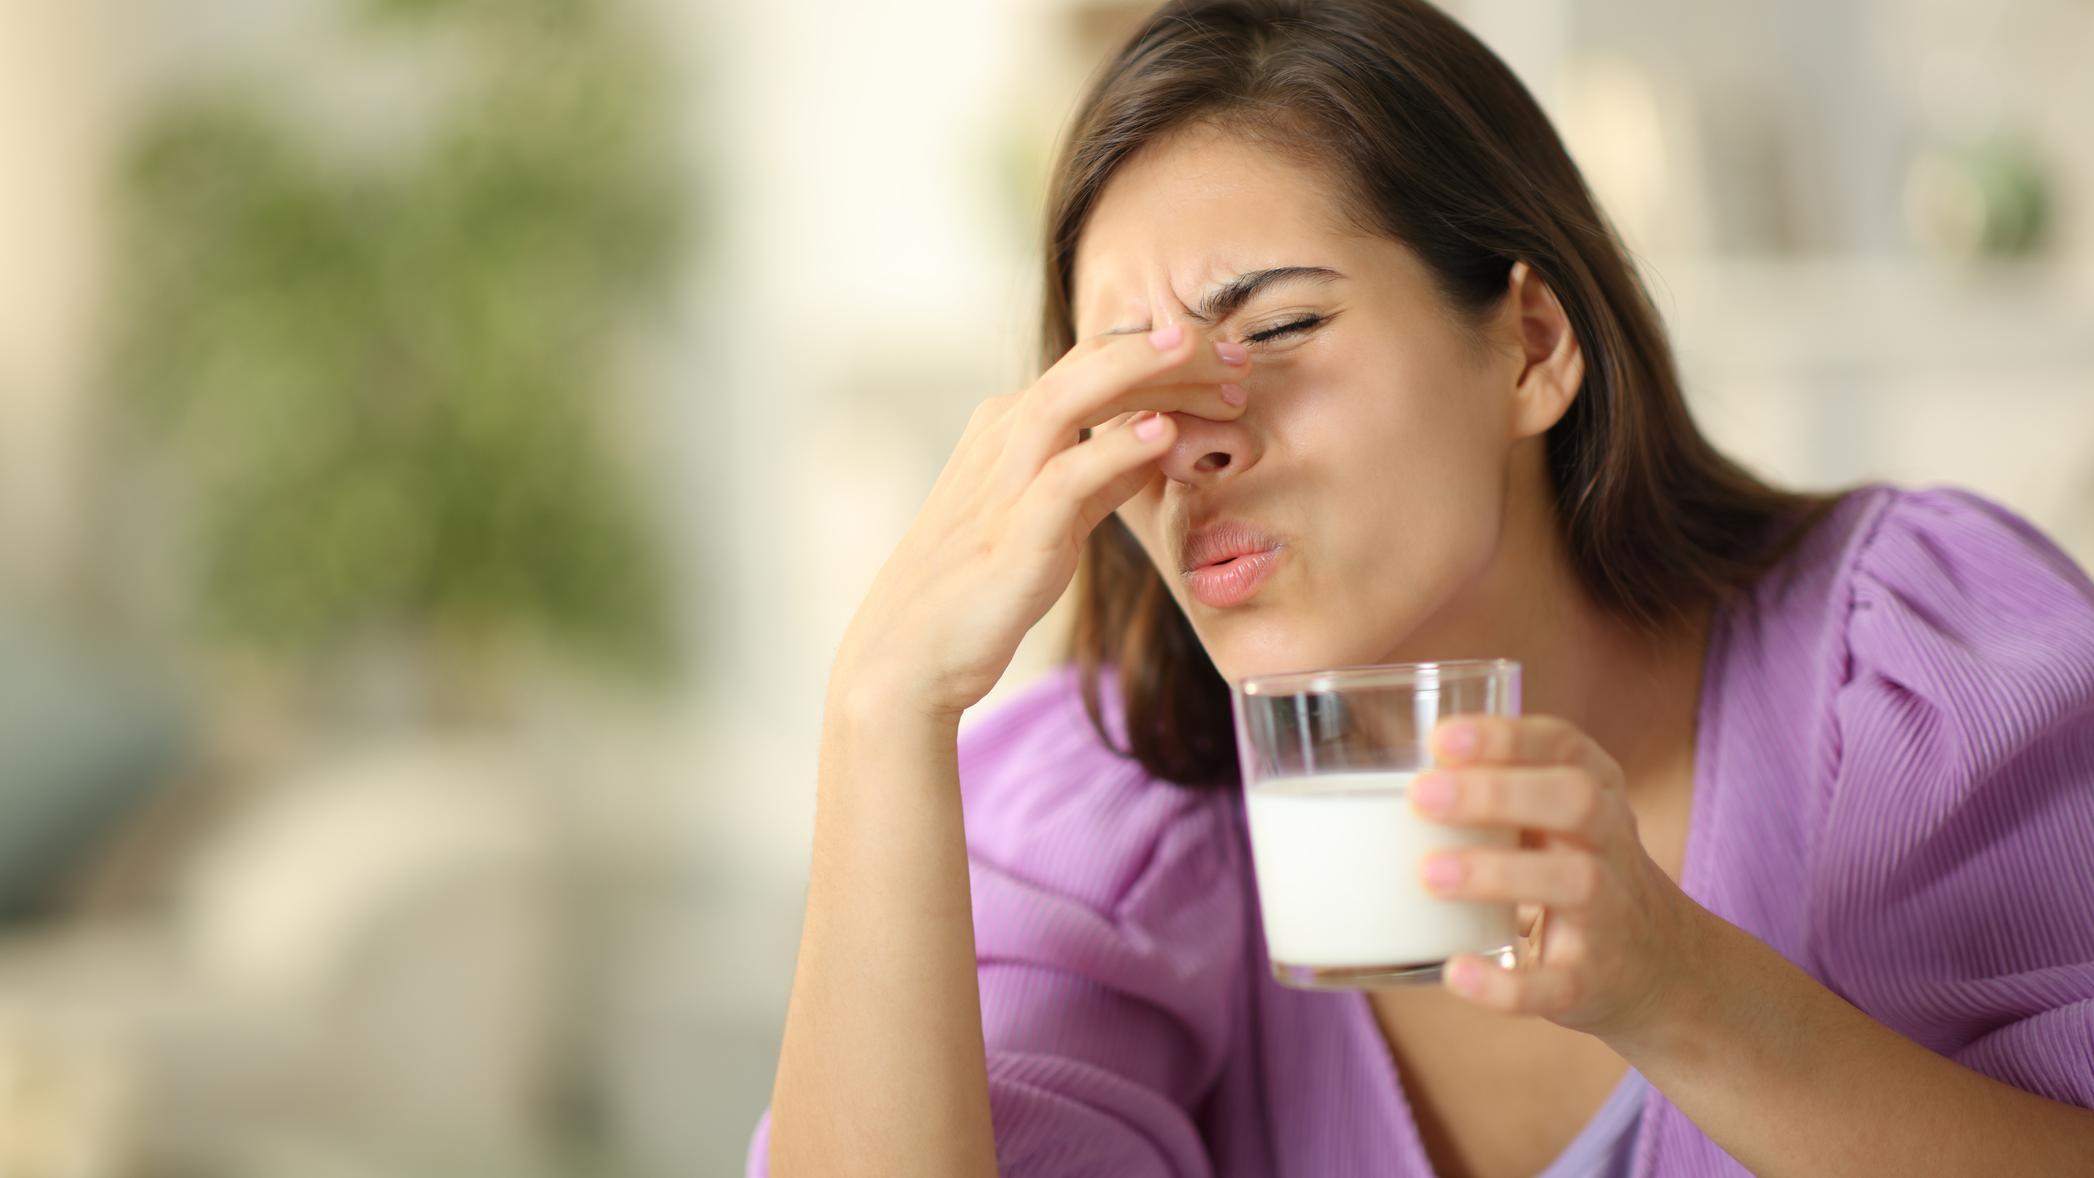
(388, 379)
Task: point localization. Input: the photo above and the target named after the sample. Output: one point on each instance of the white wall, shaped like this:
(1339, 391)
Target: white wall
(54, 132)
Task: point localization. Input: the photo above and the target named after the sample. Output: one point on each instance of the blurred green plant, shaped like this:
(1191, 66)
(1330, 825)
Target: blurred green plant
(387, 377)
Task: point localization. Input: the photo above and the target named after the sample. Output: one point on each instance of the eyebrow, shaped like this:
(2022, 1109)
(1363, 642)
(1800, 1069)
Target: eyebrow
(1224, 300)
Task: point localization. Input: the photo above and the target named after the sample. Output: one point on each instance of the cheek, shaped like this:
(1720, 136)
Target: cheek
(1403, 427)
(1415, 485)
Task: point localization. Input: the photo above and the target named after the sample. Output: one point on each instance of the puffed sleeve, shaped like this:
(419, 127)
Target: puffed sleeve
(1109, 932)
(1953, 884)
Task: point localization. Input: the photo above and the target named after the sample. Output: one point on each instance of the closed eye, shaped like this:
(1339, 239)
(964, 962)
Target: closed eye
(1285, 329)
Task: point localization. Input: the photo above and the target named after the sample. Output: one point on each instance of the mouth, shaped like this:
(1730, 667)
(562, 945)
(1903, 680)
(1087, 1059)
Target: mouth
(1226, 562)
(1232, 581)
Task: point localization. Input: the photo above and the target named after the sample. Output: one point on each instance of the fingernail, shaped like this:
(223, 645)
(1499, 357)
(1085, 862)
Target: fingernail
(1458, 740)
(1443, 872)
(1148, 427)
(1433, 793)
(1234, 394)
(1466, 974)
(1166, 338)
(1232, 353)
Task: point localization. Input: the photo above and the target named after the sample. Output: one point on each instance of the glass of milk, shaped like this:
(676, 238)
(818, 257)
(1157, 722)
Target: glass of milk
(1328, 758)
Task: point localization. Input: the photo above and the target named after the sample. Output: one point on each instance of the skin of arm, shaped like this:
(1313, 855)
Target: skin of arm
(882, 1069)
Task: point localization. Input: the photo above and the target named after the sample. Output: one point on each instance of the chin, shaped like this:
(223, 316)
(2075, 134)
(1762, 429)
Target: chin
(1274, 642)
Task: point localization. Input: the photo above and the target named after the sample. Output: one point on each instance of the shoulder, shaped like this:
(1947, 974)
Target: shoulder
(1927, 551)
(1939, 590)
(1046, 799)
(1921, 666)
(1950, 862)
(1964, 625)
(1929, 622)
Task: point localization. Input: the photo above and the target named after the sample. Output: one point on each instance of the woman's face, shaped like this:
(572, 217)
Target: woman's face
(1381, 441)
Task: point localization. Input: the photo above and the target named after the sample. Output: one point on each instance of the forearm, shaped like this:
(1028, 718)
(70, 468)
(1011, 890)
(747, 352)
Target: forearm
(1790, 1079)
(882, 1067)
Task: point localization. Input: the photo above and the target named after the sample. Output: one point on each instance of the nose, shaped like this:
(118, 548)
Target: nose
(1209, 452)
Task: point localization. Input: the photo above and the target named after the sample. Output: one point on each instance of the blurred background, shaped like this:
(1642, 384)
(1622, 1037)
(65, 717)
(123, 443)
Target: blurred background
(441, 442)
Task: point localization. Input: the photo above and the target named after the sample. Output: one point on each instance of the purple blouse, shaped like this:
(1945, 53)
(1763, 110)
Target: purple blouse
(1894, 788)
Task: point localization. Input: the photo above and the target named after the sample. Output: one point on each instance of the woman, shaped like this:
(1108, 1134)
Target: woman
(1806, 789)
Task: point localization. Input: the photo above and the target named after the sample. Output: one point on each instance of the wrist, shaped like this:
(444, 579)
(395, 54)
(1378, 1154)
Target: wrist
(1702, 970)
(866, 700)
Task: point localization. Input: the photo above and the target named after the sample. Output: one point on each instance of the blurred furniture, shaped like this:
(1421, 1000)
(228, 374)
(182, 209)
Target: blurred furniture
(83, 737)
(360, 975)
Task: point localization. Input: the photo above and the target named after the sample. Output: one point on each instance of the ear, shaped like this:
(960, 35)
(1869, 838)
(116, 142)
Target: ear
(1552, 364)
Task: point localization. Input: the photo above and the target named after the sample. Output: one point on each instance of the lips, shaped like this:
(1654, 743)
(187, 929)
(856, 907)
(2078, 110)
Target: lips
(1225, 562)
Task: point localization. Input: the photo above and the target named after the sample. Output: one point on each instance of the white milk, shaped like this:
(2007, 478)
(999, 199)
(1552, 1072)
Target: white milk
(1337, 858)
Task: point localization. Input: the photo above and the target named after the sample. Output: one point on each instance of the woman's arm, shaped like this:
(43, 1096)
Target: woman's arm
(883, 1059)
(1774, 1067)
(1950, 901)
(1790, 1079)
(883, 1069)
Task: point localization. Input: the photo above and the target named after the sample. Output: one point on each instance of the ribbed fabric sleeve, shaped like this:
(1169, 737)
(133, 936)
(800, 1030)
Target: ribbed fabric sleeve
(1953, 879)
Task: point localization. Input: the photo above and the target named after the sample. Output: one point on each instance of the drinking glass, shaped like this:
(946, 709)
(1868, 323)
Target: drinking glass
(1328, 757)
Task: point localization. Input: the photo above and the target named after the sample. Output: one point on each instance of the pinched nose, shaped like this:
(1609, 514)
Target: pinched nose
(1208, 451)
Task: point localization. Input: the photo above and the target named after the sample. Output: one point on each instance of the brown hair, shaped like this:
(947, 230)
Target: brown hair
(1431, 141)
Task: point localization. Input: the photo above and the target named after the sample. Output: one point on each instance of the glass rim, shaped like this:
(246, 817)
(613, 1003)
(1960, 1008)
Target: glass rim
(1371, 675)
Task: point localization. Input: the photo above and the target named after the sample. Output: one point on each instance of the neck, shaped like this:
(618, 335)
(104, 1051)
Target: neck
(1633, 689)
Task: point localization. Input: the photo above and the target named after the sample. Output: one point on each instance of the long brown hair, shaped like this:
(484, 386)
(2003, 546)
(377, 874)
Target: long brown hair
(1429, 140)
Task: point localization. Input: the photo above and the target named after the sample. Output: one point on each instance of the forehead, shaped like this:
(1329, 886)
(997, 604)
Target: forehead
(1192, 210)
